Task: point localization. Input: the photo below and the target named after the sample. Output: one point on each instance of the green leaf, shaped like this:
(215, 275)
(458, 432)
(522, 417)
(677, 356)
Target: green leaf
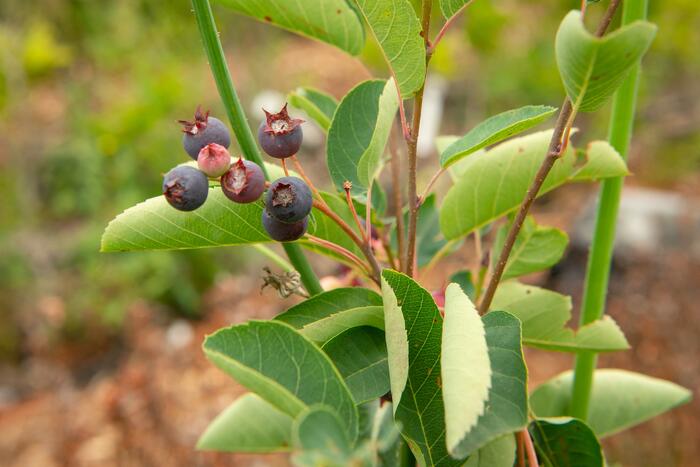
(360, 356)
(593, 68)
(328, 314)
(494, 130)
(620, 399)
(359, 132)
(331, 21)
(466, 369)
(565, 442)
(498, 453)
(450, 8)
(413, 336)
(280, 365)
(494, 182)
(536, 248)
(249, 424)
(155, 225)
(397, 29)
(318, 105)
(319, 433)
(506, 409)
(544, 315)
(443, 142)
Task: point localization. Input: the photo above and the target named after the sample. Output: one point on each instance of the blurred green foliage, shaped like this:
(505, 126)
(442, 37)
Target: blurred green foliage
(89, 95)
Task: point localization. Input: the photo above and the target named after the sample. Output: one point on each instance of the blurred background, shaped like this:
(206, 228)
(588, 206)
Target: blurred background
(100, 361)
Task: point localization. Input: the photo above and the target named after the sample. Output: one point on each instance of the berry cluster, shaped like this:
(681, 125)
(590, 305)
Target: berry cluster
(206, 139)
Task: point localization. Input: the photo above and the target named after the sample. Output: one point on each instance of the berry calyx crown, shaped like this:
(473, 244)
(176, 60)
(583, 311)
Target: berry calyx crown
(280, 123)
(199, 123)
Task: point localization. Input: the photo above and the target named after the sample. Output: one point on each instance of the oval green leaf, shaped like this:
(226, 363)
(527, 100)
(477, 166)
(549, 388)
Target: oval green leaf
(536, 248)
(565, 442)
(319, 431)
(593, 68)
(545, 314)
(359, 132)
(360, 356)
(330, 21)
(398, 31)
(249, 424)
(273, 360)
(620, 399)
(494, 130)
(498, 453)
(466, 369)
(494, 182)
(324, 316)
(155, 225)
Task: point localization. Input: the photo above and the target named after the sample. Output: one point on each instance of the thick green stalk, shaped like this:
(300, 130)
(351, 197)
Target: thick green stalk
(217, 62)
(600, 256)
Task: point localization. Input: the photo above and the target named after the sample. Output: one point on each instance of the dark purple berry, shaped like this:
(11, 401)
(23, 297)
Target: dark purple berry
(202, 131)
(289, 199)
(185, 188)
(282, 231)
(279, 135)
(214, 160)
(244, 182)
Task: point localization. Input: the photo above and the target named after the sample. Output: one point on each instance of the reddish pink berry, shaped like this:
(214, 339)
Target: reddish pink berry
(214, 160)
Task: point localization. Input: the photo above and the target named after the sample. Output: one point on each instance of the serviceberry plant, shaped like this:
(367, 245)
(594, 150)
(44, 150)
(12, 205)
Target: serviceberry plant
(382, 371)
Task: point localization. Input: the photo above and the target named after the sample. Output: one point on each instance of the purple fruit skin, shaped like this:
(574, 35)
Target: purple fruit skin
(215, 132)
(280, 146)
(254, 187)
(282, 231)
(299, 208)
(185, 188)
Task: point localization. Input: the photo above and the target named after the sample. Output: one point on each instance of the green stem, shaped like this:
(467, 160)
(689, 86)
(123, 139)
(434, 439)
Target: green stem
(217, 62)
(600, 257)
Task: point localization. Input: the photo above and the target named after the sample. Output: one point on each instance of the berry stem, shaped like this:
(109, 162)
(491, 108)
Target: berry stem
(234, 110)
(308, 181)
(284, 167)
(524, 435)
(347, 186)
(521, 448)
(446, 26)
(365, 247)
(428, 187)
(341, 251)
(558, 142)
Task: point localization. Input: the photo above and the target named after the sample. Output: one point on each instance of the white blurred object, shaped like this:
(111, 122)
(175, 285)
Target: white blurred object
(179, 334)
(431, 116)
(270, 100)
(649, 221)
